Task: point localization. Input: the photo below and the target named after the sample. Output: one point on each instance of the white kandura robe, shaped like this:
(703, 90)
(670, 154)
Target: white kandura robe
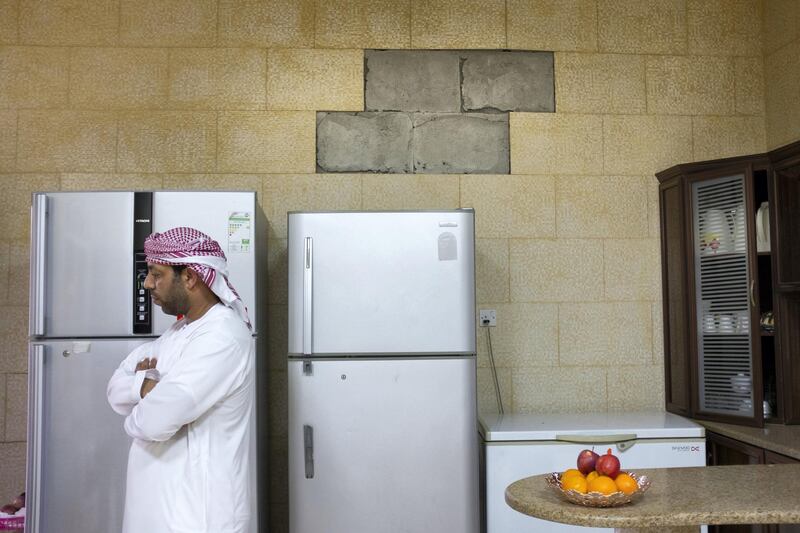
(189, 467)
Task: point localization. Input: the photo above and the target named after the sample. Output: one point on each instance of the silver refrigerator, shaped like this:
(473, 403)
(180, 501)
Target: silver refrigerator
(88, 310)
(381, 372)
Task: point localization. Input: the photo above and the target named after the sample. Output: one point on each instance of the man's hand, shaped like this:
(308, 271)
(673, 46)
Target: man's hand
(148, 384)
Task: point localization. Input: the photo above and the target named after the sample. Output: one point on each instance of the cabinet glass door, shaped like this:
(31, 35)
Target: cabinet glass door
(723, 288)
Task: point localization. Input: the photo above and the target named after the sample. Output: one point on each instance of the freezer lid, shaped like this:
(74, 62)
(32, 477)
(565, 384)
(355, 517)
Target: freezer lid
(569, 427)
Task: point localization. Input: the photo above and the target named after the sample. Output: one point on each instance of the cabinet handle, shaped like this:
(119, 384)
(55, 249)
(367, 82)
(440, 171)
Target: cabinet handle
(752, 298)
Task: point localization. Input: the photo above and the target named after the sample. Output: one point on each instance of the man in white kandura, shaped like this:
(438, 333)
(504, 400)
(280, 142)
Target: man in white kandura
(188, 396)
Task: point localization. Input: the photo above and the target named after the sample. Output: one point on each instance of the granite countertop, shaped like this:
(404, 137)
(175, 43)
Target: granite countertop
(774, 437)
(741, 494)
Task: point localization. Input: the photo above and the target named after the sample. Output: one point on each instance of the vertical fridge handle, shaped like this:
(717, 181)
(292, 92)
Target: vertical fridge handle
(308, 278)
(38, 261)
(36, 354)
(308, 450)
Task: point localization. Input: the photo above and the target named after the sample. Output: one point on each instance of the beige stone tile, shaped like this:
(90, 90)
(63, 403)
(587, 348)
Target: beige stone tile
(565, 270)
(608, 334)
(278, 400)
(642, 26)
(215, 182)
(548, 143)
(749, 85)
(33, 77)
(69, 22)
(109, 181)
(14, 332)
(15, 203)
(18, 273)
(658, 333)
(591, 206)
(278, 335)
(642, 145)
(568, 25)
(511, 206)
(781, 22)
(267, 141)
(363, 24)
(636, 388)
(690, 85)
(16, 407)
(560, 390)
(8, 140)
(5, 259)
(218, 78)
(167, 141)
(491, 270)
(487, 394)
(314, 192)
(168, 22)
(12, 482)
(458, 24)
(632, 269)
(782, 83)
(123, 78)
(718, 137)
(600, 83)
(70, 141)
(396, 192)
(2, 403)
(277, 271)
(266, 23)
(526, 335)
(330, 80)
(653, 214)
(724, 27)
(9, 10)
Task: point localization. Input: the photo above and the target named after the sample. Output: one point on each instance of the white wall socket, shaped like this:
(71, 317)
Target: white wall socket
(487, 317)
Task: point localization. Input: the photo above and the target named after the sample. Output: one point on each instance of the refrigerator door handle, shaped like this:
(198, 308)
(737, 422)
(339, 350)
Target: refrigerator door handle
(308, 445)
(39, 249)
(597, 439)
(35, 370)
(308, 280)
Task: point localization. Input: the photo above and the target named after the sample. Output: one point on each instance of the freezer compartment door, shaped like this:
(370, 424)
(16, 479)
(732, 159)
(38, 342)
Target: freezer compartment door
(226, 217)
(385, 446)
(77, 448)
(381, 283)
(81, 264)
(507, 462)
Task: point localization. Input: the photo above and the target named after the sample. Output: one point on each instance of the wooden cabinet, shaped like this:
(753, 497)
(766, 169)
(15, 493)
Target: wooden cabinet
(721, 282)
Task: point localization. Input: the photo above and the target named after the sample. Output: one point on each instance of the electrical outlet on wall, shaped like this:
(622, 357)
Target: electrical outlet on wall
(487, 318)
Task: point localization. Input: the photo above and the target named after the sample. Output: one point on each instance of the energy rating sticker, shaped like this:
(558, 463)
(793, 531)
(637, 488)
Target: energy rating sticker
(239, 232)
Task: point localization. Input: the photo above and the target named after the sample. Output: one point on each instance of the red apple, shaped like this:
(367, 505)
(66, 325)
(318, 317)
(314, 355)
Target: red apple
(586, 461)
(608, 465)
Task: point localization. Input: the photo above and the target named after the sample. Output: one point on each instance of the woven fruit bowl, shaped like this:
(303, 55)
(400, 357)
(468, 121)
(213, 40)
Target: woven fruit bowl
(595, 499)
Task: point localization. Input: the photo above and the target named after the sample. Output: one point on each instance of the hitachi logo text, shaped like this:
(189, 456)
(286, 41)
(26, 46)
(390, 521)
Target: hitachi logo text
(686, 448)
(142, 220)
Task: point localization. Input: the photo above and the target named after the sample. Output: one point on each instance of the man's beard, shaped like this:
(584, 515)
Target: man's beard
(176, 301)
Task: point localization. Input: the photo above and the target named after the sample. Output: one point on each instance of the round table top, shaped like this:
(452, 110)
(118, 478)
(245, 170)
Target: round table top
(741, 494)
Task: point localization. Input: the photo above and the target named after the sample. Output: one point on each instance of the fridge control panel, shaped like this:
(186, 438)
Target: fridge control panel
(142, 305)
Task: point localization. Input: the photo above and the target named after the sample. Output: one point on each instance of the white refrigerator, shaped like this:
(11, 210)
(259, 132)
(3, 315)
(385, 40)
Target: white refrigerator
(88, 310)
(381, 372)
(516, 446)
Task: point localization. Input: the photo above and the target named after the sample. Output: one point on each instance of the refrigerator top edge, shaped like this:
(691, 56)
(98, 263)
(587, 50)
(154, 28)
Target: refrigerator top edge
(369, 212)
(562, 427)
(385, 355)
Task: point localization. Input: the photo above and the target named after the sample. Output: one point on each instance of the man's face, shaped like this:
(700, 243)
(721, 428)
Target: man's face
(166, 289)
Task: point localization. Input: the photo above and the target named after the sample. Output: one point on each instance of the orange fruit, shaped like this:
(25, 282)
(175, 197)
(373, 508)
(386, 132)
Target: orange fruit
(626, 483)
(577, 483)
(603, 485)
(571, 472)
(591, 475)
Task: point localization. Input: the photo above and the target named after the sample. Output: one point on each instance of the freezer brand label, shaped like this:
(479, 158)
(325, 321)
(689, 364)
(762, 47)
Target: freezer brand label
(239, 232)
(448, 247)
(686, 448)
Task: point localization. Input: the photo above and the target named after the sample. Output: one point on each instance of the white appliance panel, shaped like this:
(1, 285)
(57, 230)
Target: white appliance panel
(75, 439)
(210, 213)
(82, 247)
(510, 462)
(393, 446)
(382, 283)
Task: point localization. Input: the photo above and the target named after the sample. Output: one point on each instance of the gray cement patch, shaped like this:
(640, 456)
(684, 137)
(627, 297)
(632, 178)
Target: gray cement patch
(508, 81)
